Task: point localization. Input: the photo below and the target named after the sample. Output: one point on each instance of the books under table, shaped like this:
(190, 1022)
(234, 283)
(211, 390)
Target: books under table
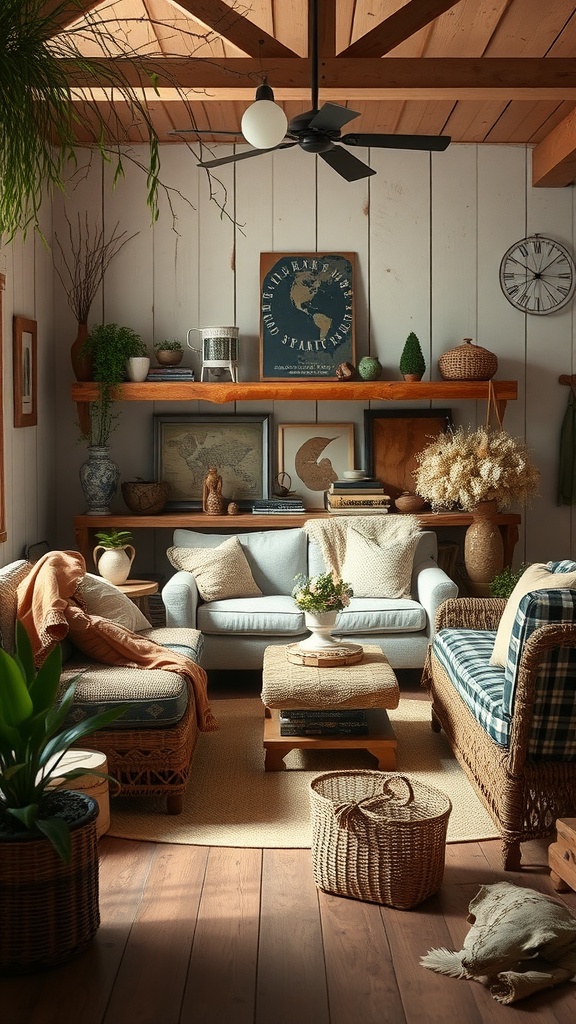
(324, 722)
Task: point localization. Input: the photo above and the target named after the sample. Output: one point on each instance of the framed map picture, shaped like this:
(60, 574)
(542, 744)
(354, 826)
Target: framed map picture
(185, 447)
(313, 455)
(306, 314)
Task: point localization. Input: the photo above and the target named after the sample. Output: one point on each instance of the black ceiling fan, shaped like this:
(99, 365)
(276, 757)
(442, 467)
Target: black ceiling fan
(318, 130)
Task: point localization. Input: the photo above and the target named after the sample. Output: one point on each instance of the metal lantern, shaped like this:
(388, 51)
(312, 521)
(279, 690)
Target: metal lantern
(219, 350)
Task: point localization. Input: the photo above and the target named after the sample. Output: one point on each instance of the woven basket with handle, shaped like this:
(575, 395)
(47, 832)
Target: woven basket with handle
(468, 362)
(379, 837)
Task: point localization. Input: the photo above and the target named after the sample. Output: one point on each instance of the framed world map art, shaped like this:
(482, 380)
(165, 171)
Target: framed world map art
(306, 314)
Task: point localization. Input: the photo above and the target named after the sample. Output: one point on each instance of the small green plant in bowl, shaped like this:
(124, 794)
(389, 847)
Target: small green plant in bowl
(168, 352)
(504, 582)
(169, 345)
(114, 538)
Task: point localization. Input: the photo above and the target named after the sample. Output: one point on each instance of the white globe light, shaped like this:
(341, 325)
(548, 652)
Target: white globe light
(264, 124)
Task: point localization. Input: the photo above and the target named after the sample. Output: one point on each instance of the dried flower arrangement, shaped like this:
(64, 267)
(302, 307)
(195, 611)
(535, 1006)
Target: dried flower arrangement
(464, 467)
(324, 593)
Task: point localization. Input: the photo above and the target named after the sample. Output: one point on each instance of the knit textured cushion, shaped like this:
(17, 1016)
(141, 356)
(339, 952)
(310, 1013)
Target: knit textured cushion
(536, 577)
(378, 569)
(10, 578)
(102, 598)
(220, 572)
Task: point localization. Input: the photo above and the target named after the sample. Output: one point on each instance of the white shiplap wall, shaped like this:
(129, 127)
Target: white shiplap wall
(429, 232)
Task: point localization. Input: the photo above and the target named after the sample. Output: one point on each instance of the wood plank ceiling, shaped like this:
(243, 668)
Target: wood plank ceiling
(481, 71)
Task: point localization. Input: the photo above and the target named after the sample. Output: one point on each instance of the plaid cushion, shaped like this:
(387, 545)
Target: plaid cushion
(465, 655)
(536, 609)
(564, 566)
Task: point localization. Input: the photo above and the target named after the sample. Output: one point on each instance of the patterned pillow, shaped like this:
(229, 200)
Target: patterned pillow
(536, 577)
(220, 572)
(378, 569)
(100, 597)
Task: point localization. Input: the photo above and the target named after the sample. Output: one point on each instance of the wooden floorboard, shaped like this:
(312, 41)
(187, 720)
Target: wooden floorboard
(199, 935)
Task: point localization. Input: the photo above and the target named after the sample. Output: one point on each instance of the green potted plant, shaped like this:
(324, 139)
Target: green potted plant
(503, 583)
(412, 362)
(46, 831)
(168, 352)
(115, 562)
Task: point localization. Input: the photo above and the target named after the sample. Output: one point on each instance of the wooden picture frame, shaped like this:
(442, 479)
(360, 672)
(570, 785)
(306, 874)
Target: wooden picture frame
(3, 534)
(393, 438)
(185, 446)
(25, 371)
(307, 321)
(313, 455)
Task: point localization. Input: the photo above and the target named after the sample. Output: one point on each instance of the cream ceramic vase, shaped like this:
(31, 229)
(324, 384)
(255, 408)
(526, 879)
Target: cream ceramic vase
(321, 625)
(114, 564)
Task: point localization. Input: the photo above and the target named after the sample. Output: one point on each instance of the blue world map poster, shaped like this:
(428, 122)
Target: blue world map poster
(306, 314)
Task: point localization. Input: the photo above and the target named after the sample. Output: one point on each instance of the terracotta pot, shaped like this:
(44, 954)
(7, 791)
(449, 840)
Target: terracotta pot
(483, 548)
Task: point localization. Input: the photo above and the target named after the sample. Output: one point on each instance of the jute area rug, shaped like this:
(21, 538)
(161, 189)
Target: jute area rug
(231, 801)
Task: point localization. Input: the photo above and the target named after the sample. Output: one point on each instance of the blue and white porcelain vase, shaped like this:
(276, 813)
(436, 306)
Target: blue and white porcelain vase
(99, 477)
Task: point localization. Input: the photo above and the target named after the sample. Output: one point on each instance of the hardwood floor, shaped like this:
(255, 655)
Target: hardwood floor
(197, 935)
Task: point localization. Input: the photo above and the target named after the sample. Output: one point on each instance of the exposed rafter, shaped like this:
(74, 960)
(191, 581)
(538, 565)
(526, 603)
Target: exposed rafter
(410, 18)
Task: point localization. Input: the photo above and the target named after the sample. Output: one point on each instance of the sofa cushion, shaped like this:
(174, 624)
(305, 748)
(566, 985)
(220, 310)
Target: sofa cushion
(536, 609)
(371, 615)
(220, 572)
(536, 577)
(275, 557)
(376, 568)
(465, 654)
(266, 615)
(102, 598)
(152, 698)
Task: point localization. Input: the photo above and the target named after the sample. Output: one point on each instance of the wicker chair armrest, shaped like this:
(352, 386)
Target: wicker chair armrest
(470, 613)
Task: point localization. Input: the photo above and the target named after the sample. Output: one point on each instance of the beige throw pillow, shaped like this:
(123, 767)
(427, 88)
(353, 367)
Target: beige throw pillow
(219, 572)
(378, 570)
(536, 577)
(102, 598)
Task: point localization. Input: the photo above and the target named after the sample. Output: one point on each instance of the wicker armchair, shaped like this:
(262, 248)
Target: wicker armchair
(527, 778)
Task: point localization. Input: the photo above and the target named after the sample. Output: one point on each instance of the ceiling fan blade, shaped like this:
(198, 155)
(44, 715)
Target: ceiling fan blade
(347, 166)
(233, 158)
(203, 131)
(430, 143)
(331, 117)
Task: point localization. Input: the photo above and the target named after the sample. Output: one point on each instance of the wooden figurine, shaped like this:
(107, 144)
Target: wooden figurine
(213, 501)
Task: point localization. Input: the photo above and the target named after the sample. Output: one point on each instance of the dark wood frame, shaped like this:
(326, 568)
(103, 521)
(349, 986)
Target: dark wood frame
(393, 437)
(284, 366)
(197, 424)
(25, 379)
(3, 534)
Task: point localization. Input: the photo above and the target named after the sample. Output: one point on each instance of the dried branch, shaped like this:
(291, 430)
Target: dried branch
(83, 269)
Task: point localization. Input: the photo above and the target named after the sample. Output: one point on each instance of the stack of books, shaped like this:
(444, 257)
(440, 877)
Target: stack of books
(357, 497)
(278, 507)
(170, 373)
(326, 722)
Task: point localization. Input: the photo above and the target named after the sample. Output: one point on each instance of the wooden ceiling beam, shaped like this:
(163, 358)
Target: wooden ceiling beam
(327, 29)
(229, 23)
(410, 18)
(554, 159)
(456, 78)
(67, 13)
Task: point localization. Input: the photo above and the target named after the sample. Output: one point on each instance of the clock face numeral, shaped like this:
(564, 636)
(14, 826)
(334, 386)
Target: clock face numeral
(538, 275)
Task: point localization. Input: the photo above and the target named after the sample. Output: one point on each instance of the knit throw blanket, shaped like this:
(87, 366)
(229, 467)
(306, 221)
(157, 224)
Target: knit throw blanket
(330, 534)
(51, 609)
(520, 942)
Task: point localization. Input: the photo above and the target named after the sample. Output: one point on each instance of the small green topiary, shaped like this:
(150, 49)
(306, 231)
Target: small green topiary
(412, 358)
(504, 582)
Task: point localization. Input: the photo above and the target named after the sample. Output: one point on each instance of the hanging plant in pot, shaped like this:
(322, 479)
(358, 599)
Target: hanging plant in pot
(481, 471)
(46, 833)
(115, 562)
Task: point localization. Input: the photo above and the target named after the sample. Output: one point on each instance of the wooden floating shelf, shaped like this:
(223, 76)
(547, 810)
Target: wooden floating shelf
(302, 391)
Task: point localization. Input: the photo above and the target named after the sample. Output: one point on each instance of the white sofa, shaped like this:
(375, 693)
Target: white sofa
(236, 631)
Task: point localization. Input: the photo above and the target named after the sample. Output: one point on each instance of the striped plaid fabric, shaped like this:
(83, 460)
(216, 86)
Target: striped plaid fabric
(465, 655)
(553, 733)
(564, 566)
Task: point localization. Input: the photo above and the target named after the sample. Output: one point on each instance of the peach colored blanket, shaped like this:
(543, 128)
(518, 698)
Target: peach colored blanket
(50, 609)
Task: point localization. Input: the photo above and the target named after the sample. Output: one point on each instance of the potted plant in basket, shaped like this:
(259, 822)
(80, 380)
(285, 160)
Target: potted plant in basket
(46, 831)
(320, 598)
(115, 562)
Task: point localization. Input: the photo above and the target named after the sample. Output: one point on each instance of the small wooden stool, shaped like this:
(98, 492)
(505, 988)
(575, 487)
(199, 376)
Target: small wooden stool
(562, 856)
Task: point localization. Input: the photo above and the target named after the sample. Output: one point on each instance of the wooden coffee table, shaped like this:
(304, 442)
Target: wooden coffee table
(371, 684)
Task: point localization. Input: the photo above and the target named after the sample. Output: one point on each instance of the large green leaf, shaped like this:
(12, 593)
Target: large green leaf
(58, 832)
(15, 702)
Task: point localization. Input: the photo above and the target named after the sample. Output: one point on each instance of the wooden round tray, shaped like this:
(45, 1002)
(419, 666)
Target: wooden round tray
(342, 654)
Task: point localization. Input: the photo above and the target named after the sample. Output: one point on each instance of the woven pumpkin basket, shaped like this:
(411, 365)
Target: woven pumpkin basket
(378, 837)
(468, 362)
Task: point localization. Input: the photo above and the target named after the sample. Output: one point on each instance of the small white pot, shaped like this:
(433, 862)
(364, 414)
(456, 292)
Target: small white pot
(114, 564)
(321, 624)
(137, 368)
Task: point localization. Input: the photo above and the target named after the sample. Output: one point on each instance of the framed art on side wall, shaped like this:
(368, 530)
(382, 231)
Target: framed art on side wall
(185, 447)
(2, 500)
(393, 438)
(314, 455)
(306, 314)
(25, 335)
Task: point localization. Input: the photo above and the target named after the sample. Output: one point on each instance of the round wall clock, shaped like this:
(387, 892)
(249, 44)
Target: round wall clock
(538, 275)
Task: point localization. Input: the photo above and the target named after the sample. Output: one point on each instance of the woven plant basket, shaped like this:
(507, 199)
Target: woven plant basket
(378, 837)
(468, 362)
(49, 910)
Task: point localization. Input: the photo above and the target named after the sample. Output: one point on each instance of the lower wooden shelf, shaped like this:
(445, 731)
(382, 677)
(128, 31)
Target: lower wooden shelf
(85, 525)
